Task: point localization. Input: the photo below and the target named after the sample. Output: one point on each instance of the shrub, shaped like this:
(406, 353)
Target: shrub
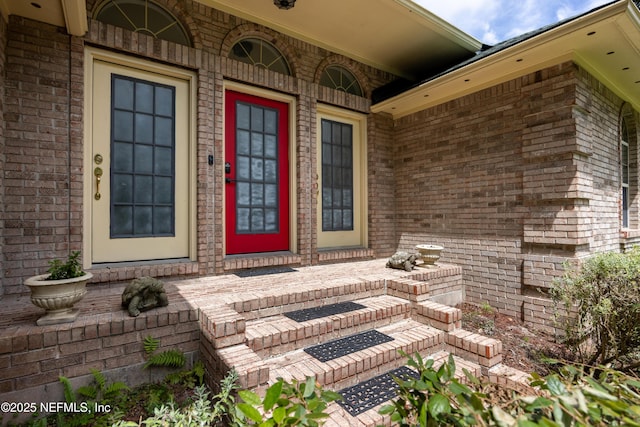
(603, 299)
(574, 397)
(287, 404)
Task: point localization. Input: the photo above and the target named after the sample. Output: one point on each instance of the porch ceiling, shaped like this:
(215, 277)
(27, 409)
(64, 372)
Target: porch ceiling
(606, 42)
(393, 35)
(71, 14)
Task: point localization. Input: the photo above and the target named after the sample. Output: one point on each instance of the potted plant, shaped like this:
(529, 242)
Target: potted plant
(59, 289)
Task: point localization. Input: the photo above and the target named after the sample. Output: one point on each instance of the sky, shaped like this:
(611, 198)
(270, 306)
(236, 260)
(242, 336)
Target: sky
(493, 21)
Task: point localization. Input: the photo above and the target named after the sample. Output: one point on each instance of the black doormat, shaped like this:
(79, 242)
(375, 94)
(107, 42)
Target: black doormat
(369, 394)
(323, 311)
(347, 345)
(253, 272)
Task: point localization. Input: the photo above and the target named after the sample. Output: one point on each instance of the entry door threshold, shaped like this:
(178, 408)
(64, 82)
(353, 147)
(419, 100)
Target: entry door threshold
(260, 260)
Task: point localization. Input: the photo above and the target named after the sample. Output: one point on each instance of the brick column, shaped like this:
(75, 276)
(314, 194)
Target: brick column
(556, 178)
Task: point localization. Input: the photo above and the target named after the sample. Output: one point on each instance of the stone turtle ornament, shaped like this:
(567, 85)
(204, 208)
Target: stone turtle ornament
(143, 294)
(403, 261)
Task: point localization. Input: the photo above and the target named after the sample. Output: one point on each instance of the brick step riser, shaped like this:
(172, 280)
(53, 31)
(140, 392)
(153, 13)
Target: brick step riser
(325, 329)
(277, 305)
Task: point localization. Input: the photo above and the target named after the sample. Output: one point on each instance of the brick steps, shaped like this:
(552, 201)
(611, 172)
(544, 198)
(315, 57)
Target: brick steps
(409, 336)
(275, 335)
(253, 335)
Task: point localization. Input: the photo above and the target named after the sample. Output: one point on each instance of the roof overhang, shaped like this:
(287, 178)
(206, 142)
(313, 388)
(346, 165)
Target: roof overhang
(71, 14)
(397, 36)
(606, 42)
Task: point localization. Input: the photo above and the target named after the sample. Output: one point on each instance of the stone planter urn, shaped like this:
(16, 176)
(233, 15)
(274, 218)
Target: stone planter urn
(57, 297)
(429, 253)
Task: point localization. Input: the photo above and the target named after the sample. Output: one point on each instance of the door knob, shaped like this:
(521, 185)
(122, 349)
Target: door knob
(98, 174)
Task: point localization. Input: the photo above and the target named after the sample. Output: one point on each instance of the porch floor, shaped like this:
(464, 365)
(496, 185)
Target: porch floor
(17, 310)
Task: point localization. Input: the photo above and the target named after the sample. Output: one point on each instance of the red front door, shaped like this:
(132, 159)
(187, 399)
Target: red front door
(256, 174)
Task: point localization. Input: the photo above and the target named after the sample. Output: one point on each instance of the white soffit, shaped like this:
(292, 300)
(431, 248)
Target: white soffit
(70, 14)
(393, 35)
(605, 42)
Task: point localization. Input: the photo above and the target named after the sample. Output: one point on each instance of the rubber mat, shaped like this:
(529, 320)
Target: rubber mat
(371, 393)
(323, 311)
(337, 348)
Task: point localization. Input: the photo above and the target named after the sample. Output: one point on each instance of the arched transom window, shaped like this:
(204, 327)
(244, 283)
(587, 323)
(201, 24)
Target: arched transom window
(260, 53)
(143, 16)
(337, 77)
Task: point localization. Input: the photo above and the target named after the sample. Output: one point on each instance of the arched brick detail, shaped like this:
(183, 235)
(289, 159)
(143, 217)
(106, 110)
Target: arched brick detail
(175, 7)
(348, 64)
(247, 30)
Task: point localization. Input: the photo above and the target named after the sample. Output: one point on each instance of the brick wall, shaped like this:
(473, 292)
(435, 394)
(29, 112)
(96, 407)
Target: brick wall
(38, 221)
(3, 45)
(513, 181)
(43, 177)
(33, 358)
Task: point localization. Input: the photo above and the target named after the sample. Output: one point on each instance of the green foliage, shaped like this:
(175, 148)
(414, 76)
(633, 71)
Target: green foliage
(202, 410)
(190, 378)
(574, 397)
(87, 398)
(603, 299)
(59, 270)
(436, 397)
(170, 358)
(287, 404)
(150, 344)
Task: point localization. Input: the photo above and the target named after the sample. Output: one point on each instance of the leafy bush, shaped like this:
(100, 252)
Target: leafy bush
(602, 297)
(287, 404)
(575, 397)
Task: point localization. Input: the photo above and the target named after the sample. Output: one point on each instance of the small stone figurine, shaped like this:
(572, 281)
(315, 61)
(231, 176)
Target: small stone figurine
(403, 261)
(143, 294)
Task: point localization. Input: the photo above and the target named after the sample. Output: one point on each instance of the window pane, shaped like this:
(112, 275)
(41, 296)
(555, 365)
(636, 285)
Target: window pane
(122, 220)
(122, 189)
(257, 195)
(122, 159)
(143, 189)
(242, 142)
(123, 126)
(144, 98)
(164, 131)
(162, 190)
(144, 128)
(143, 221)
(163, 163)
(164, 101)
(337, 174)
(142, 173)
(123, 94)
(163, 221)
(144, 159)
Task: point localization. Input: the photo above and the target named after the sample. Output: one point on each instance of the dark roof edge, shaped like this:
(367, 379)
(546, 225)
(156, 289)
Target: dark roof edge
(400, 86)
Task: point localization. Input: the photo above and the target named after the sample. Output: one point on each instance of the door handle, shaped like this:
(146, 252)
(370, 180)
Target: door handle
(98, 174)
(230, 181)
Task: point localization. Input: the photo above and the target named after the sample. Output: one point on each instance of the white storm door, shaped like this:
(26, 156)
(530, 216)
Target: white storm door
(140, 139)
